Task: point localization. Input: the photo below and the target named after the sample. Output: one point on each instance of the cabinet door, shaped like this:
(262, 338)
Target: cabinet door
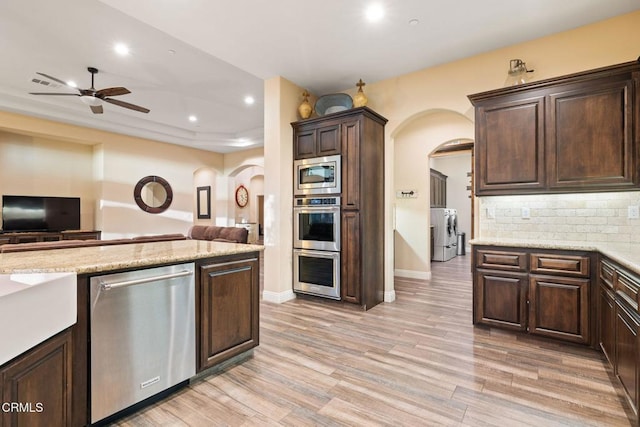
(607, 323)
(40, 380)
(626, 355)
(500, 299)
(510, 146)
(304, 144)
(590, 136)
(350, 257)
(328, 140)
(559, 307)
(229, 309)
(351, 165)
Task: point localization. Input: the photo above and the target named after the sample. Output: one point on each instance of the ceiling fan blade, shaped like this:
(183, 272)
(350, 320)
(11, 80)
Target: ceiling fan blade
(54, 93)
(112, 91)
(53, 78)
(127, 105)
(97, 109)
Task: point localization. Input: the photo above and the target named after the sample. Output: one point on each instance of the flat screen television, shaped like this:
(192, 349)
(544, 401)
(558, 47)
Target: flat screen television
(39, 213)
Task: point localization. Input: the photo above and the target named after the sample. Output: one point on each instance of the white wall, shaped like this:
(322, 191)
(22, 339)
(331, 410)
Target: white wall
(456, 166)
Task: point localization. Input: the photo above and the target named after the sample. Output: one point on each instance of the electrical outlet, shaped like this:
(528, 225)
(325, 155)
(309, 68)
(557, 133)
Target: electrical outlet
(633, 212)
(491, 213)
(526, 212)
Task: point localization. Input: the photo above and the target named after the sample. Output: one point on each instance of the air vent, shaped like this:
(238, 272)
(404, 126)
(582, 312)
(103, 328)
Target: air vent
(45, 83)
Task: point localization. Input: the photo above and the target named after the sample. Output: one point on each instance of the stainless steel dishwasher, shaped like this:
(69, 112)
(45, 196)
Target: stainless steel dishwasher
(142, 335)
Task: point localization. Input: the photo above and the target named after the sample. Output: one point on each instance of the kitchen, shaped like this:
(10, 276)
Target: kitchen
(401, 131)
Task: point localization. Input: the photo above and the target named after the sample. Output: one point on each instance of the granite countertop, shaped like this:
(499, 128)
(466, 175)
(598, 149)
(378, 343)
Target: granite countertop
(94, 259)
(625, 254)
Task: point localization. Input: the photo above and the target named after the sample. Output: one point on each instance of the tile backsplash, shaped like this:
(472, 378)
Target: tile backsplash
(577, 217)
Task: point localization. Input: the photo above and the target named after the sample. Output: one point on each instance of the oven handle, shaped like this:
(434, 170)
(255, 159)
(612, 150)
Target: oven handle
(106, 286)
(303, 209)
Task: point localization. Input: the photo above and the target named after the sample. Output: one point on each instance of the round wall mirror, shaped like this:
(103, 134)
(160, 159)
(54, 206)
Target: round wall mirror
(153, 194)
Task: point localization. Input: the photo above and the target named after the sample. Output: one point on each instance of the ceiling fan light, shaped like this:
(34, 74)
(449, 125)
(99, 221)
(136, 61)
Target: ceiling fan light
(91, 101)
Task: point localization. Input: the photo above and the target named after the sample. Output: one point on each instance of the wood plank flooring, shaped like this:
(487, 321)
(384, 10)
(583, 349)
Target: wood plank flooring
(415, 362)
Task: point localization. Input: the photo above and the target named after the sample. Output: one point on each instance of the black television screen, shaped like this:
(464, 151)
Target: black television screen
(35, 213)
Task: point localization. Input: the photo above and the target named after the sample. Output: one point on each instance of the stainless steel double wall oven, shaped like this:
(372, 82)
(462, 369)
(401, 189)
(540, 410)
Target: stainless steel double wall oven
(316, 217)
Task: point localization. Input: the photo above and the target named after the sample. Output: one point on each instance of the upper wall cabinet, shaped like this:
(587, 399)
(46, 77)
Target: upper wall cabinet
(316, 139)
(577, 133)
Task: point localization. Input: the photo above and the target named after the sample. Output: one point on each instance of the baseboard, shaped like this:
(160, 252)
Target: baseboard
(278, 297)
(413, 274)
(389, 296)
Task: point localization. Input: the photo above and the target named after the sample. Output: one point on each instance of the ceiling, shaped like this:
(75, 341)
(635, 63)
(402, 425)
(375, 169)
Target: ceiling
(202, 57)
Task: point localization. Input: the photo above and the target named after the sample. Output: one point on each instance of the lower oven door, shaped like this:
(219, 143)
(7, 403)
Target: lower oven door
(316, 273)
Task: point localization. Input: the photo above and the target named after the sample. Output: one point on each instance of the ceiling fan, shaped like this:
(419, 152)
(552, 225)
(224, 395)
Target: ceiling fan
(93, 97)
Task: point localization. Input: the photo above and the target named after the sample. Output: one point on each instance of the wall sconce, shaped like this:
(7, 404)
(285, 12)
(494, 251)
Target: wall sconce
(518, 73)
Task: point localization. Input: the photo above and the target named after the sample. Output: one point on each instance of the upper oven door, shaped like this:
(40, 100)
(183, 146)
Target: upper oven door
(320, 175)
(317, 228)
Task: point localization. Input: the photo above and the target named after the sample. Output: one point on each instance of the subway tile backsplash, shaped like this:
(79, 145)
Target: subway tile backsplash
(595, 217)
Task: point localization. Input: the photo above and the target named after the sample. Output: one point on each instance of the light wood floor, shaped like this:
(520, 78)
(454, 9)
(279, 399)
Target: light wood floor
(415, 362)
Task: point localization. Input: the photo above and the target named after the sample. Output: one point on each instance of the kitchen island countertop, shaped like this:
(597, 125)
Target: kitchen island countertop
(94, 259)
(626, 254)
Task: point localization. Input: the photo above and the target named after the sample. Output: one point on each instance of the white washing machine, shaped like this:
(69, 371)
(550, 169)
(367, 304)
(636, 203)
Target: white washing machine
(445, 222)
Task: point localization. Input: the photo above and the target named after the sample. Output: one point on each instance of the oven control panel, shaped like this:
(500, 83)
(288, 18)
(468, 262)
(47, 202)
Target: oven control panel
(317, 201)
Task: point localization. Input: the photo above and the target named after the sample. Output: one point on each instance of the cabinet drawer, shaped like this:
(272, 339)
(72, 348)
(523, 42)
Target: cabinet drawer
(628, 286)
(501, 260)
(560, 264)
(606, 272)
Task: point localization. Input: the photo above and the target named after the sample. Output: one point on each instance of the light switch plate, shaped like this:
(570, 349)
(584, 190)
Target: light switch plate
(491, 213)
(526, 212)
(633, 212)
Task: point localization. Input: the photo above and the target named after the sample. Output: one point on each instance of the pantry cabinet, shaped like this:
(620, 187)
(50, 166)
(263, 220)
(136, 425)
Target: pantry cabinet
(574, 133)
(544, 293)
(360, 143)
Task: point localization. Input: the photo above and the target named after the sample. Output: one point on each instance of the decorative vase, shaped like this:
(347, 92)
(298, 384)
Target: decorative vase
(360, 99)
(305, 108)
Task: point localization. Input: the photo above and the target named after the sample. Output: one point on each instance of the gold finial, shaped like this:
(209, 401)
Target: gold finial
(360, 99)
(305, 95)
(305, 109)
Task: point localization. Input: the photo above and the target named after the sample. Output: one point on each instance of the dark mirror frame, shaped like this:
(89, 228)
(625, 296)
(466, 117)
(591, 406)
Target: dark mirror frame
(137, 194)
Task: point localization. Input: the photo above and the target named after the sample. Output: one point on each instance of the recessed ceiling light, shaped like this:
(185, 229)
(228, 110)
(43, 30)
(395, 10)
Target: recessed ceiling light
(72, 83)
(413, 22)
(249, 100)
(374, 13)
(121, 49)
(172, 51)
(193, 119)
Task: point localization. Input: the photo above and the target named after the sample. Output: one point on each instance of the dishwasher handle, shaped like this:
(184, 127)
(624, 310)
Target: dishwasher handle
(106, 286)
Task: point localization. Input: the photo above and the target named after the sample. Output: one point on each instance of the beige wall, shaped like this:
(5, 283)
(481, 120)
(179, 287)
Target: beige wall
(102, 168)
(37, 166)
(404, 99)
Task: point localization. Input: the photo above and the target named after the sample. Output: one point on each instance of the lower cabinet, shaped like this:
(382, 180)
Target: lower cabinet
(607, 316)
(543, 293)
(36, 386)
(559, 307)
(501, 299)
(627, 326)
(229, 309)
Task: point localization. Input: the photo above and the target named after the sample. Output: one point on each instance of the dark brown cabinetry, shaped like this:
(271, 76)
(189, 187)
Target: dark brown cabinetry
(229, 308)
(438, 184)
(572, 133)
(544, 293)
(316, 140)
(360, 136)
(40, 381)
(31, 237)
(620, 326)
